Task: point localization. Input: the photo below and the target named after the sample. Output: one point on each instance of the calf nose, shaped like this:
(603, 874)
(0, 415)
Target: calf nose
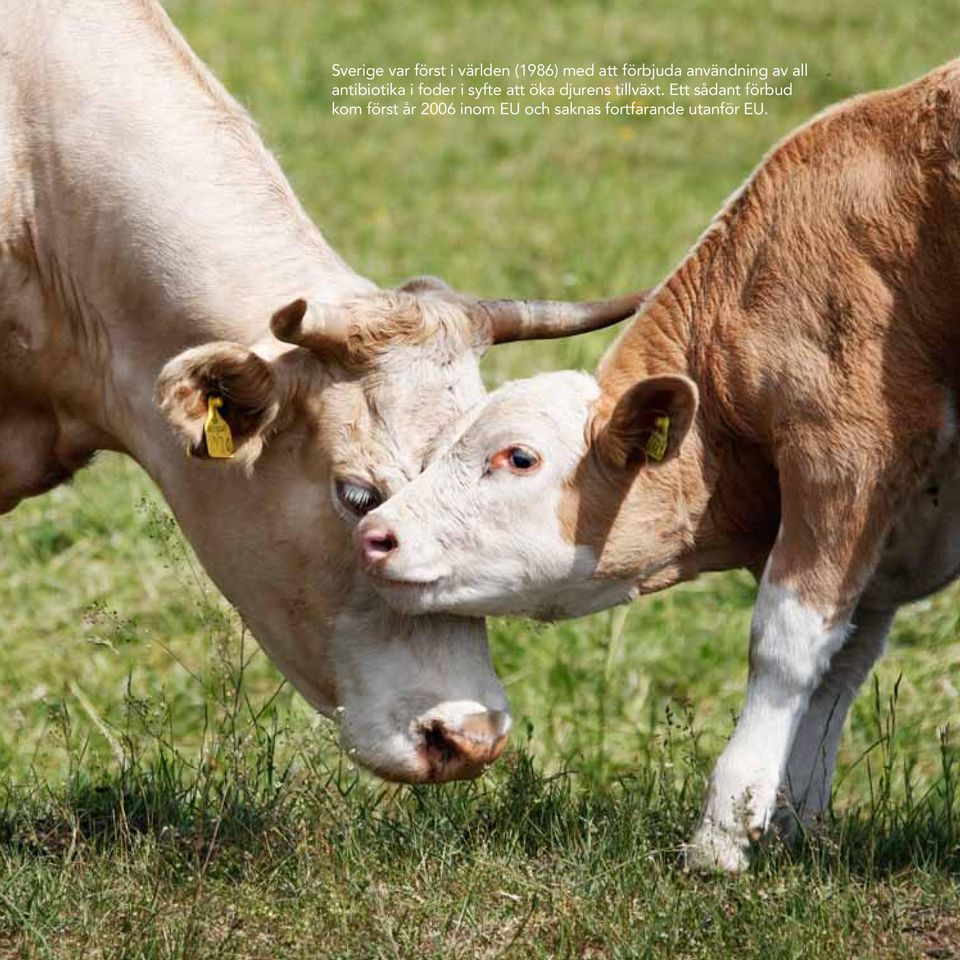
(376, 544)
(462, 750)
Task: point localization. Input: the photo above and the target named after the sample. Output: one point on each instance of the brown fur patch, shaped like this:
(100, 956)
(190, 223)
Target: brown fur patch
(817, 315)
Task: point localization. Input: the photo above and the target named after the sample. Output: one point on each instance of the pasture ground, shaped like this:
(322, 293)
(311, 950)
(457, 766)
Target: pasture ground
(164, 795)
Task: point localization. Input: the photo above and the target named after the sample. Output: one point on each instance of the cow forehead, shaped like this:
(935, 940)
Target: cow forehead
(390, 320)
(387, 422)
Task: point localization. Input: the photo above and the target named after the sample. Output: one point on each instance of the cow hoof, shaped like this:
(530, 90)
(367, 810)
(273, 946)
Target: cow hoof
(715, 849)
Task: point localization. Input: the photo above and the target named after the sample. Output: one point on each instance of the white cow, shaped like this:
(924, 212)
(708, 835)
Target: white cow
(146, 232)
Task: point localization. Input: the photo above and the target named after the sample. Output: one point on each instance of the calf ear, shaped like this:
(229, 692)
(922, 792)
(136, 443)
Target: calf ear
(649, 422)
(245, 383)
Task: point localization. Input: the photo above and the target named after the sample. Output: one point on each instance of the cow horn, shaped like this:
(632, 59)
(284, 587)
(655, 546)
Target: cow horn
(316, 328)
(508, 320)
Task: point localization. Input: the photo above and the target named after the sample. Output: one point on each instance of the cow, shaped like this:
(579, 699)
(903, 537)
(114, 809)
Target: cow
(163, 294)
(785, 402)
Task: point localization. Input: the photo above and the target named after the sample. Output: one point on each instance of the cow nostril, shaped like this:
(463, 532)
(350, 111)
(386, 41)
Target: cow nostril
(462, 750)
(378, 544)
(437, 743)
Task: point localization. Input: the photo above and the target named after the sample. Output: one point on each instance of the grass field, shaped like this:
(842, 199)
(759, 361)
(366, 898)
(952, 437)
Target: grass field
(165, 796)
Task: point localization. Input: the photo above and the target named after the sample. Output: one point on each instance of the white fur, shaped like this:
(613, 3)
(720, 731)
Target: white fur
(791, 647)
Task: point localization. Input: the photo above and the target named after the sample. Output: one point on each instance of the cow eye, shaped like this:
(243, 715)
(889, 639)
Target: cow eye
(516, 459)
(358, 498)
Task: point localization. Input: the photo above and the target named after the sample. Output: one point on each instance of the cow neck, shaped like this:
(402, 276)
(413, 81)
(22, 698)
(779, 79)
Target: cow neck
(159, 219)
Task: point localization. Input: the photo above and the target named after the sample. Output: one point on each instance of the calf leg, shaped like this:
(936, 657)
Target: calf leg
(790, 648)
(831, 536)
(813, 757)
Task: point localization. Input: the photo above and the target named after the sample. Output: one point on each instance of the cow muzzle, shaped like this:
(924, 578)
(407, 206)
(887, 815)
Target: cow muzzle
(419, 700)
(453, 741)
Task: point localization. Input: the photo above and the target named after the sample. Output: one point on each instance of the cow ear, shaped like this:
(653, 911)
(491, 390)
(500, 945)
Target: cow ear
(649, 422)
(243, 387)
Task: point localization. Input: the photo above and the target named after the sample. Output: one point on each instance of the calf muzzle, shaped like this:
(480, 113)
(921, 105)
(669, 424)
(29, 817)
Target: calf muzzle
(376, 545)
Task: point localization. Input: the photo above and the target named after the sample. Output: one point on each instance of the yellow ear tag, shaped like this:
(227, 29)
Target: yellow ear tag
(656, 448)
(216, 430)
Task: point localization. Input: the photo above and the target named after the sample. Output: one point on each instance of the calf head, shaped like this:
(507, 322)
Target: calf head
(548, 504)
(330, 417)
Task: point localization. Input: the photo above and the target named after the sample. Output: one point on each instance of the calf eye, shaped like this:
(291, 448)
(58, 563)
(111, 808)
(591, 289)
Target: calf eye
(516, 459)
(358, 498)
(521, 459)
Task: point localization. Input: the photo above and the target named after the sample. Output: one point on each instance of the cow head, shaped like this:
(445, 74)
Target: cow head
(548, 504)
(330, 417)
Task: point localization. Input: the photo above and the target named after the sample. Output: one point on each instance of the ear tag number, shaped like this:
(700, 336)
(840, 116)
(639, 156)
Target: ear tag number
(656, 448)
(216, 430)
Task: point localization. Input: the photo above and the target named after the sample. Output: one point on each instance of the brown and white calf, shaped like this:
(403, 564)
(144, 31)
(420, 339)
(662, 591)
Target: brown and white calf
(786, 402)
(145, 233)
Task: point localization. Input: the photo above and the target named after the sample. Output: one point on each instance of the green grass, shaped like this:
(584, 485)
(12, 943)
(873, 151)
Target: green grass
(164, 796)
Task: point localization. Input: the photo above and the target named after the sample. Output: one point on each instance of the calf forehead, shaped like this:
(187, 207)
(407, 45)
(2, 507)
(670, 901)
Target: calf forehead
(552, 405)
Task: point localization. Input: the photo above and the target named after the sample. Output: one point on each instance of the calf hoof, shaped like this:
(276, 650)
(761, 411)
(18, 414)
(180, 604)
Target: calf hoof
(789, 825)
(717, 849)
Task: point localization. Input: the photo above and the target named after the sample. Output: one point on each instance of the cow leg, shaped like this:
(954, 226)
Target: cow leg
(813, 757)
(831, 536)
